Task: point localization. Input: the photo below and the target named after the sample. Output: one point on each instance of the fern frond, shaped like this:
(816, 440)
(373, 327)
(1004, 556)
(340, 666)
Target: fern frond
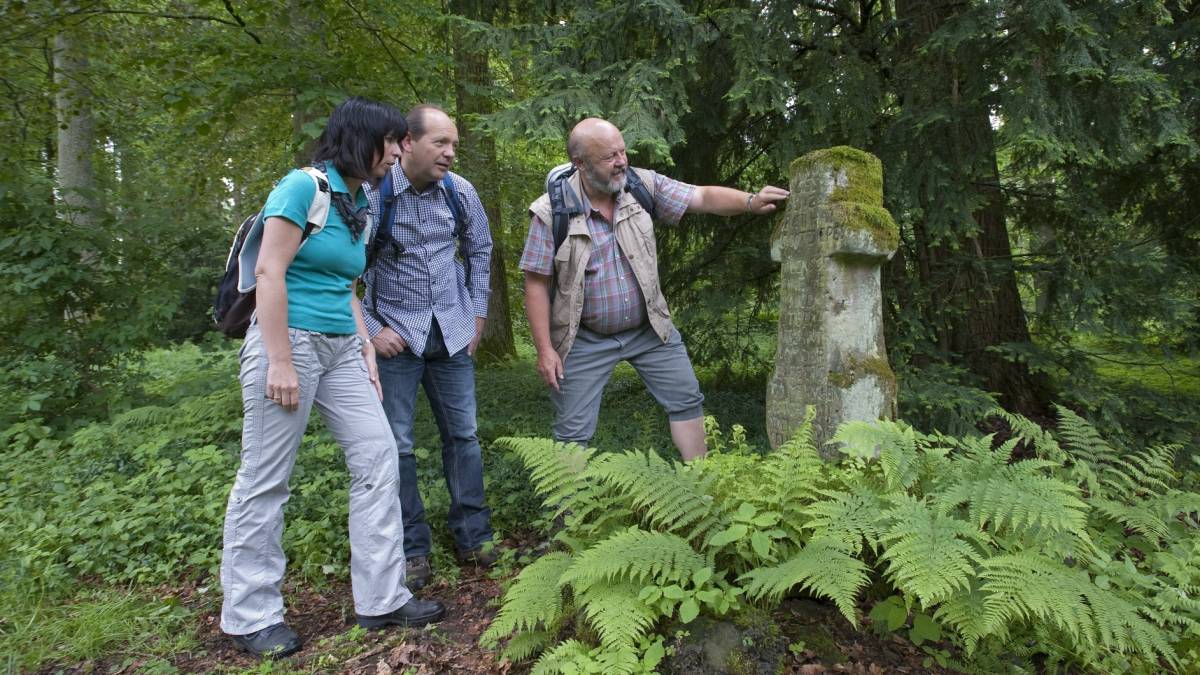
(795, 470)
(893, 444)
(1181, 564)
(617, 614)
(848, 519)
(1133, 517)
(1121, 475)
(634, 555)
(556, 469)
(1016, 496)
(524, 645)
(822, 569)
(562, 659)
(619, 661)
(1026, 587)
(801, 443)
(534, 601)
(970, 614)
(144, 417)
(927, 552)
(669, 495)
(1153, 469)
(1029, 587)
(1020, 498)
(1118, 625)
(1026, 430)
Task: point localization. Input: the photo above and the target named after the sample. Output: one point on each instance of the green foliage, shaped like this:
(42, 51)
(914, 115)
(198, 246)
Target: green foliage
(119, 627)
(533, 605)
(1088, 551)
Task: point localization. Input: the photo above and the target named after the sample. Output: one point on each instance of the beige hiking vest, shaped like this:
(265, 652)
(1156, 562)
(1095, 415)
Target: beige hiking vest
(634, 230)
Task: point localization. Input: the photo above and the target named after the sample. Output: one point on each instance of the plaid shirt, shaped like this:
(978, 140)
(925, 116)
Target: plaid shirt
(405, 293)
(612, 300)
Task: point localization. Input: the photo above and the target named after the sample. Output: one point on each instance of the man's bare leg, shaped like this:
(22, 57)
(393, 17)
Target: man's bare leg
(689, 438)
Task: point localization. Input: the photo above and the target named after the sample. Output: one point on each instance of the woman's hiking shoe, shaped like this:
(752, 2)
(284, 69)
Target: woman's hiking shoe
(417, 572)
(412, 613)
(272, 642)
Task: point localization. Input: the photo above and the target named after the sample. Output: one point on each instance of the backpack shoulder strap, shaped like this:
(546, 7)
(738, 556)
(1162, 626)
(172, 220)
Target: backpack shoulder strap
(387, 200)
(564, 203)
(318, 210)
(635, 186)
(456, 206)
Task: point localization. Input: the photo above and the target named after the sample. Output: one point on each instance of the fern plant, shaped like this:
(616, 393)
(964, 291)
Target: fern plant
(1086, 554)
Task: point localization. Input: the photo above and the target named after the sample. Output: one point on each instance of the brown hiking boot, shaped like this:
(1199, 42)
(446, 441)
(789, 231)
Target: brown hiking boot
(483, 556)
(417, 572)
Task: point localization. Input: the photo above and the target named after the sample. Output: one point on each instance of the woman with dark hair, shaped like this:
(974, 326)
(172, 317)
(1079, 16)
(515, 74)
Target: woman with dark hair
(306, 346)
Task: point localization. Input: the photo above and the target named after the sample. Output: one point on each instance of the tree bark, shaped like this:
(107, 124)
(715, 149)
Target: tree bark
(973, 303)
(76, 132)
(304, 24)
(479, 165)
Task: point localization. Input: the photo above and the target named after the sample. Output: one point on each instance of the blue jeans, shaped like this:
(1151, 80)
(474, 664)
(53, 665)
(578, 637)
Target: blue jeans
(449, 383)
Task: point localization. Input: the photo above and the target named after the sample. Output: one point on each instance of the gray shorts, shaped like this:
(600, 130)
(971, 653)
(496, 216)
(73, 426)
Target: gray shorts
(663, 366)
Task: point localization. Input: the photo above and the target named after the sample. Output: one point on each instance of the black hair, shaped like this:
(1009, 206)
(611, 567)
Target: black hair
(354, 135)
(416, 119)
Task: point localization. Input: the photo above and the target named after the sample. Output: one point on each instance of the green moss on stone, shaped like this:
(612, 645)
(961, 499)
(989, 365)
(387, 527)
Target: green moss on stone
(864, 173)
(874, 219)
(737, 663)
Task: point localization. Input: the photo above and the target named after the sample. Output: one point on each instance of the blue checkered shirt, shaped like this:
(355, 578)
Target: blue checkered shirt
(612, 300)
(405, 293)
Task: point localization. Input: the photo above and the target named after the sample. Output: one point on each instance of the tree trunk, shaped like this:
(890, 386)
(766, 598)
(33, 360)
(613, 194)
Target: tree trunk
(479, 165)
(303, 23)
(973, 305)
(76, 133)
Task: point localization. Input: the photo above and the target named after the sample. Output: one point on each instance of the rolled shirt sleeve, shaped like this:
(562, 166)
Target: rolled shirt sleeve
(538, 256)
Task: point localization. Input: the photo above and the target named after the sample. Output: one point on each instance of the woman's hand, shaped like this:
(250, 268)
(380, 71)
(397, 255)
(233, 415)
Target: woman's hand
(368, 353)
(283, 387)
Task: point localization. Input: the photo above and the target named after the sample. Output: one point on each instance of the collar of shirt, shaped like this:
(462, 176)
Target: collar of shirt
(336, 182)
(402, 183)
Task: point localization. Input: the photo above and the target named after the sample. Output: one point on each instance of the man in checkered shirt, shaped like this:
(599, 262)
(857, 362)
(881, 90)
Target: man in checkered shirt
(596, 301)
(425, 310)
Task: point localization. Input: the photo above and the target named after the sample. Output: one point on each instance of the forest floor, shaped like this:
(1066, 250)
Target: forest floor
(819, 639)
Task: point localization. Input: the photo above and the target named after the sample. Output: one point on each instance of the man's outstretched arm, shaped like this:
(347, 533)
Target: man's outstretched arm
(723, 201)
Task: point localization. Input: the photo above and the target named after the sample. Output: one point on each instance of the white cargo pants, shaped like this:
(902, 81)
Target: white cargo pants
(332, 376)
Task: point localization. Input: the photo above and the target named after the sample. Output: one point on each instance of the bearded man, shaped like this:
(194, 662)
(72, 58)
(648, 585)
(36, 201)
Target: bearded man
(607, 305)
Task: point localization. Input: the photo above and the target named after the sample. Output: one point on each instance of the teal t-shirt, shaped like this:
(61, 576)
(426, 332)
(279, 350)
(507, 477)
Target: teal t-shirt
(320, 279)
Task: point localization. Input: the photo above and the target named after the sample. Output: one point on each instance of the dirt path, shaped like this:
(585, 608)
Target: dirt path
(823, 641)
(324, 618)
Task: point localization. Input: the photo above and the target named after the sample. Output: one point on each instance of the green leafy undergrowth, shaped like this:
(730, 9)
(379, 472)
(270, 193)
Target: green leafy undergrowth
(120, 628)
(140, 497)
(1086, 555)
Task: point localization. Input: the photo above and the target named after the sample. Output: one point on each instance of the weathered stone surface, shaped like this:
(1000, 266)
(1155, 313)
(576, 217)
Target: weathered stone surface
(747, 644)
(831, 243)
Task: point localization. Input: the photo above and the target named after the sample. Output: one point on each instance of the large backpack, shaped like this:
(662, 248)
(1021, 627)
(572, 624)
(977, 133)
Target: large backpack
(565, 204)
(234, 305)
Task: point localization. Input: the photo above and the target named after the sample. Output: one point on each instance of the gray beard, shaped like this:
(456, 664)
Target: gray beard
(604, 184)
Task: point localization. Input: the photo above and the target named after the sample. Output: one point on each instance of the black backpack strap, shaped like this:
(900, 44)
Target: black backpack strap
(635, 187)
(564, 205)
(387, 201)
